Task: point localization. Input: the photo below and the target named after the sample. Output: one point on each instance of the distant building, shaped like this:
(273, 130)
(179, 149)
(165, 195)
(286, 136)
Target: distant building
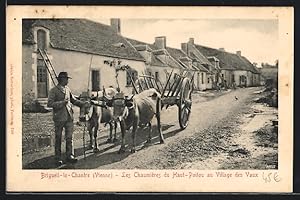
(235, 68)
(85, 48)
(163, 59)
(207, 78)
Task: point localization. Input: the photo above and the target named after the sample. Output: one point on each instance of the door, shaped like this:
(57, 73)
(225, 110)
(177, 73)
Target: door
(42, 80)
(95, 80)
(42, 74)
(198, 80)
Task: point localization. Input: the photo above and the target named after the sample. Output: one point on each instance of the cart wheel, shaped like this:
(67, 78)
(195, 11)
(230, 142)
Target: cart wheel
(185, 103)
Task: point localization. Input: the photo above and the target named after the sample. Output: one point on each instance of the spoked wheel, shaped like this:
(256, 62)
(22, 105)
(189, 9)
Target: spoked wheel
(185, 103)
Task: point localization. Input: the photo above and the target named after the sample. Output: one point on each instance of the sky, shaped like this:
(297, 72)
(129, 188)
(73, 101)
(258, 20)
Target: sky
(256, 39)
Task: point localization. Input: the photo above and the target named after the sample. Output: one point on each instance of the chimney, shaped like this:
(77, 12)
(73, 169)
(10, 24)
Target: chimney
(222, 49)
(191, 41)
(239, 53)
(160, 42)
(184, 47)
(115, 24)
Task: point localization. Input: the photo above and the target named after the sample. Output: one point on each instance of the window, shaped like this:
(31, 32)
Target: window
(222, 76)
(95, 80)
(202, 78)
(131, 74)
(41, 39)
(156, 76)
(207, 80)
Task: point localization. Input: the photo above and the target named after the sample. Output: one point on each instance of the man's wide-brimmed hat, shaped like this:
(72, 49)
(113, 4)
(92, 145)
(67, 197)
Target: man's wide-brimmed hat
(63, 75)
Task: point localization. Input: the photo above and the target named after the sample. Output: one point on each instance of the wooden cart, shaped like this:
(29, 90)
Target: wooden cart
(176, 91)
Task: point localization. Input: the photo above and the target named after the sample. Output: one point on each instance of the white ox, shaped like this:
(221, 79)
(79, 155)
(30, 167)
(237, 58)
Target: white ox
(98, 113)
(139, 110)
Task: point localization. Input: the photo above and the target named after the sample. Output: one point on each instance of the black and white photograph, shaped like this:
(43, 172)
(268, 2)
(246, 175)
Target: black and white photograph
(140, 93)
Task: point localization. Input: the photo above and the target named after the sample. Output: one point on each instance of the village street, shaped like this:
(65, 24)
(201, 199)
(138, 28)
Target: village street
(219, 136)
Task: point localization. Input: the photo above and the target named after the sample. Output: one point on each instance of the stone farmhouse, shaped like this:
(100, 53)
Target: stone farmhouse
(172, 59)
(87, 50)
(234, 67)
(80, 47)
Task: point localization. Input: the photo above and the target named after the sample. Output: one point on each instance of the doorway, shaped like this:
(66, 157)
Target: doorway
(95, 80)
(42, 73)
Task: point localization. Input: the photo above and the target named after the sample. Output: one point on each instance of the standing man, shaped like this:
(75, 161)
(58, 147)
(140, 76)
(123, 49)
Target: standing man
(61, 100)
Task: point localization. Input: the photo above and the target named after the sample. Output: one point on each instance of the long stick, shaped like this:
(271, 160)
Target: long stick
(132, 82)
(150, 80)
(50, 63)
(192, 82)
(140, 85)
(164, 89)
(145, 81)
(176, 78)
(88, 87)
(178, 87)
(155, 81)
(54, 79)
(83, 138)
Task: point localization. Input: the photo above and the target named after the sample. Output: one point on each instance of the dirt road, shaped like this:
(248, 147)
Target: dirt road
(210, 131)
(212, 140)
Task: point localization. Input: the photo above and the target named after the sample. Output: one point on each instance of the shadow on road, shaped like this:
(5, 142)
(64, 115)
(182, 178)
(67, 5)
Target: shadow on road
(43, 163)
(103, 157)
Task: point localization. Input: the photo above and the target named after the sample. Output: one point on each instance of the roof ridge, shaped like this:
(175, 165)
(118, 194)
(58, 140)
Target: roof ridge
(201, 55)
(127, 38)
(132, 46)
(217, 49)
(222, 51)
(100, 40)
(95, 22)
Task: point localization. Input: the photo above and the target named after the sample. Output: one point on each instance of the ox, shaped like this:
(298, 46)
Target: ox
(138, 110)
(98, 112)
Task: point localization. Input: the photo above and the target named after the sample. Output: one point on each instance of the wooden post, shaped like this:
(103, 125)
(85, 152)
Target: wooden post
(175, 81)
(140, 85)
(132, 82)
(164, 89)
(145, 82)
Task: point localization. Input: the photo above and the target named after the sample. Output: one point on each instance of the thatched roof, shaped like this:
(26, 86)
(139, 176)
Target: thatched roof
(228, 60)
(83, 36)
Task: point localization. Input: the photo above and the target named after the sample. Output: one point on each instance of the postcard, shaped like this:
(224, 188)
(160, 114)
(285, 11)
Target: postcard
(149, 99)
